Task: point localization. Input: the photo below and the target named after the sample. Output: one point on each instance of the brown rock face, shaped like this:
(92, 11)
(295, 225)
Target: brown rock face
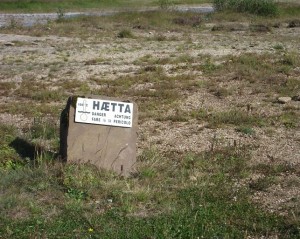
(107, 147)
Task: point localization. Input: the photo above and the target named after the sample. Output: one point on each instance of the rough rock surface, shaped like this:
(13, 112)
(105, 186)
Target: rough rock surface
(107, 147)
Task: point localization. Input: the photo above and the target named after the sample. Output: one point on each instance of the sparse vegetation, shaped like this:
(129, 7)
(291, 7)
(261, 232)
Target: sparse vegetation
(125, 34)
(53, 5)
(217, 153)
(259, 7)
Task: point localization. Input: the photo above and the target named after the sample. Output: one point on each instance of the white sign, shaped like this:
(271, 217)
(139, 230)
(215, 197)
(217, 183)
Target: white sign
(104, 112)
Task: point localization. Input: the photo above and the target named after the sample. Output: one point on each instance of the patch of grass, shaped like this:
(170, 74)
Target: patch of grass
(289, 119)
(258, 7)
(160, 201)
(48, 95)
(125, 34)
(120, 24)
(182, 58)
(260, 70)
(9, 158)
(246, 130)
(273, 169)
(71, 85)
(290, 11)
(193, 21)
(247, 64)
(162, 95)
(165, 4)
(44, 129)
(290, 87)
(278, 47)
(269, 174)
(208, 66)
(7, 87)
(30, 109)
(178, 116)
(290, 59)
(53, 5)
(235, 117)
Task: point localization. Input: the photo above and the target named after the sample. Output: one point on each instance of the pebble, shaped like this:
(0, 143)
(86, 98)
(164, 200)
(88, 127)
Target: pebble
(9, 44)
(284, 100)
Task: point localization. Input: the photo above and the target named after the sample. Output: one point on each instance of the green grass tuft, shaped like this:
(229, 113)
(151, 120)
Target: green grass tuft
(257, 7)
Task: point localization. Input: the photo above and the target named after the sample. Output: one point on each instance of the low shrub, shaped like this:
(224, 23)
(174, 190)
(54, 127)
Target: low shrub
(258, 7)
(125, 34)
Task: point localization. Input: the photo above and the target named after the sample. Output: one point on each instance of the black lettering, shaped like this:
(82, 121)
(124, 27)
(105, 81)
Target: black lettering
(96, 104)
(105, 106)
(113, 106)
(127, 109)
(121, 107)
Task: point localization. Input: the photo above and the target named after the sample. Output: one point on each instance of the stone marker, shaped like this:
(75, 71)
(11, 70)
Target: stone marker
(101, 131)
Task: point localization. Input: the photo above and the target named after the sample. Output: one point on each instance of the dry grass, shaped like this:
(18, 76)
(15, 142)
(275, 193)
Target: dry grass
(214, 144)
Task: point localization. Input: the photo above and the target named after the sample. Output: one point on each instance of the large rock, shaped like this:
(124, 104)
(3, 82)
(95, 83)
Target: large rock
(105, 146)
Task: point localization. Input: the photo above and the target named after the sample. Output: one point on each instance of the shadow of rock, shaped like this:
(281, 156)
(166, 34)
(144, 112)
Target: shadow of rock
(29, 150)
(23, 148)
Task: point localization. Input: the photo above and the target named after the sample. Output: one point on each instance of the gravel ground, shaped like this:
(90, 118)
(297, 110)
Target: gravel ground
(53, 59)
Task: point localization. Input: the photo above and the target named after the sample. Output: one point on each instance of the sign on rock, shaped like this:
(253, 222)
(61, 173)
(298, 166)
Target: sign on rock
(104, 112)
(101, 131)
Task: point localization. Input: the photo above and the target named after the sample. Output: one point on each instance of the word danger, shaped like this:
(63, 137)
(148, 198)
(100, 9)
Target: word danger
(104, 112)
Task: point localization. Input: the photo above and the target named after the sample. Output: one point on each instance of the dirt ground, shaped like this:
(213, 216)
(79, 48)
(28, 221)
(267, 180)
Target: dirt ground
(53, 59)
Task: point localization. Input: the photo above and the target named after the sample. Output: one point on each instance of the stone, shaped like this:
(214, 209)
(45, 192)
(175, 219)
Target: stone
(105, 146)
(294, 23)
(9, 44)
(296, 70)
(284, 100)
(296, 97)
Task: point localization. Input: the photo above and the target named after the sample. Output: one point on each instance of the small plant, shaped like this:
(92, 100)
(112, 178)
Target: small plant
(234, 117)
(289, 119)
(60, 14)
(76, 194)
(246, 130)
(165, 4)
(44, 129)
(209, 66)
(125, 34)
(290, 59)
(278, 47)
